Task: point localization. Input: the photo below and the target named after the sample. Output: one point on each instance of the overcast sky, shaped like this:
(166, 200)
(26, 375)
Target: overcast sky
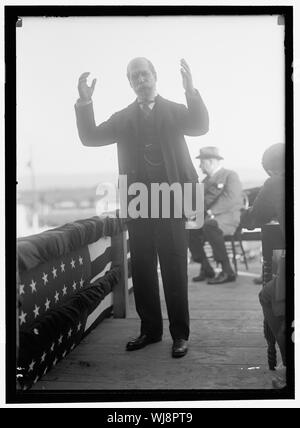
(237, 65)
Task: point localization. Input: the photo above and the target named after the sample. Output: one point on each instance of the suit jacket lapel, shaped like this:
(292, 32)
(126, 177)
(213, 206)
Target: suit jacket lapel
(160, 113)
(133, 112)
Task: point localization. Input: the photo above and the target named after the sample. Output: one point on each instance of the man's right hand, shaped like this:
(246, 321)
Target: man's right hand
(85, 91)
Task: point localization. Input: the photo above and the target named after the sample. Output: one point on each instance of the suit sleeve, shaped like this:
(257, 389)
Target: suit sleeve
(89, 133)
(229, 197)
(263, 209)
(194, 120)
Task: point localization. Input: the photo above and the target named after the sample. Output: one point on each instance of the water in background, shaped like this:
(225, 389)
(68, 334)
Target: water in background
(60, 199)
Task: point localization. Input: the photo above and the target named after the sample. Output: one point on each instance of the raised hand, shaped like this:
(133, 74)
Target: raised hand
(186, 74)
(85, 91)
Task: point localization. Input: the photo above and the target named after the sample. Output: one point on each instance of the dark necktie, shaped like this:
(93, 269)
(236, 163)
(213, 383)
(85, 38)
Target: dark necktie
(145, 107)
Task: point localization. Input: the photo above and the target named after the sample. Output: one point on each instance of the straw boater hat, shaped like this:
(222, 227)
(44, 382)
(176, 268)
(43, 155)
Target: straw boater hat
(209, 152)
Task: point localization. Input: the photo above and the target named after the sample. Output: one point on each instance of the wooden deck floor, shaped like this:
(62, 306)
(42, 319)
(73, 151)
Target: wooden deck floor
(226, 348)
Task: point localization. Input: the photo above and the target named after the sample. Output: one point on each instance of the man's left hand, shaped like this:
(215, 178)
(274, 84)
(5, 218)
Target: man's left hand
(187, 80)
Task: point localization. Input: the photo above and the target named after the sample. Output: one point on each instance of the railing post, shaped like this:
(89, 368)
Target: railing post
(120, 291)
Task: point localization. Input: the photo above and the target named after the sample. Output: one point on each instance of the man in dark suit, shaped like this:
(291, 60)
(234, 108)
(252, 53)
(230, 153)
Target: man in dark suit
(222, 204)
(151, 148)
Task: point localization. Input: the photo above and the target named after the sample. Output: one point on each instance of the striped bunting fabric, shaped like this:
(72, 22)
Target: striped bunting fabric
(61, 298)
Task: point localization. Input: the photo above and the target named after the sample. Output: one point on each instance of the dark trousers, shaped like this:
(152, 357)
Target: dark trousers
(211, 233)
(166, 240)
(276, 323)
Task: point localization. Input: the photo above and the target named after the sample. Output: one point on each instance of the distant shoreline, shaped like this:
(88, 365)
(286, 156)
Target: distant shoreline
(61, 181)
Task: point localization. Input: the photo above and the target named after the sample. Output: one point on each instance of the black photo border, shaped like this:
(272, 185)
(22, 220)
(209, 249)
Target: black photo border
(12, 21)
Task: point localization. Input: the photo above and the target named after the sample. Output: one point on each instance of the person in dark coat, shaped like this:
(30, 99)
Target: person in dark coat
(270, 205)
(223, 200)
(151, 148)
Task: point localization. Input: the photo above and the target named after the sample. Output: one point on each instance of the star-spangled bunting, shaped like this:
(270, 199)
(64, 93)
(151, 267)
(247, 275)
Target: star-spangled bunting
(22, 317)
(56, 297)
(36, 311)
(50, 287)
(47, 304)
(31, 365)
(54, 272)
(41, 300)
(32, 285)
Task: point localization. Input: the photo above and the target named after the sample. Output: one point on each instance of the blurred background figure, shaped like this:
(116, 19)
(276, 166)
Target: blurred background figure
(270, 205)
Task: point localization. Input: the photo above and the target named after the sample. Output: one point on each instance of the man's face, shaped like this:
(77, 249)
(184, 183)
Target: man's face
(142, 79)
(205, 166)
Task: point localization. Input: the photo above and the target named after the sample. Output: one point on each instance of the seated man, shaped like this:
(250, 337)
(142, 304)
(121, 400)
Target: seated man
(270, 205)
(222, 206)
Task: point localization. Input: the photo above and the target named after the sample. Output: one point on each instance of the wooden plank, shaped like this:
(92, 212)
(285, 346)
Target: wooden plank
(173, 374)
(217, 333)
(227, 349)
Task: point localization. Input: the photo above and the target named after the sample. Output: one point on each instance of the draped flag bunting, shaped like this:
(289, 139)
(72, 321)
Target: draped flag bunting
(64, 274)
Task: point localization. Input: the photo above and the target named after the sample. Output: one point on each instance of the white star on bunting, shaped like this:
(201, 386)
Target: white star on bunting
(45, 278)
(52, 347)
(36, 311)
(62, 266)
(31, 365)
(60, 339)
(74, 285)
(47, 304)
(32, 285)
(81, 283)
(73, 264)
(36, 379)
(54, 272)
(64, 290)
(21, 289)
(79, 326)
(70, 332)
(45, 371)
(35, 331)
(64, 354)
(43, 357)
(73, 346)
(80, 260)
(56, 297)
(55, 361)
(22, 317)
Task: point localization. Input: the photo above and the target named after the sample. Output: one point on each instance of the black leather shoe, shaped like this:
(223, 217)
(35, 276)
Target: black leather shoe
(179, 348)
(141, 341)
(222, 278)
(203, 275)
